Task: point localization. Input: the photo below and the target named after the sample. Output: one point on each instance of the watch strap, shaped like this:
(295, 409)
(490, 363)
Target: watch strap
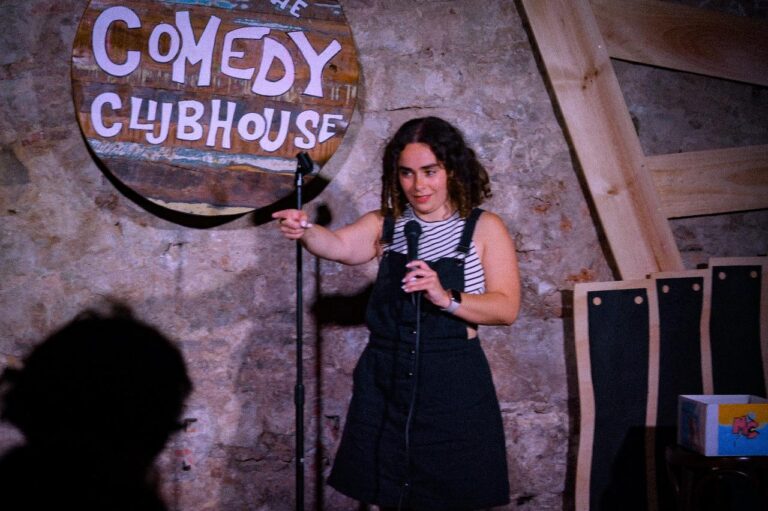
(455, 301)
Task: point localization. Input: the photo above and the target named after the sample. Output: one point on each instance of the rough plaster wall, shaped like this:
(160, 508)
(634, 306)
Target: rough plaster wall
(69, 239)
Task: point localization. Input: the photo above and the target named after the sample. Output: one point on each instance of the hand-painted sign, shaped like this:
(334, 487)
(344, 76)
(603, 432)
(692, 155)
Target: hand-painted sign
(202, 105)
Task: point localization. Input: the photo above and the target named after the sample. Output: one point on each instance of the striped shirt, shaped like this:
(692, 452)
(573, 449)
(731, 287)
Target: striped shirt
(441, 239)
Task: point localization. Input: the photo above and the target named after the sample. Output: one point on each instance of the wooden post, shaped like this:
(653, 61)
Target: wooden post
(601, 131)
(685, 38)
(707, 182)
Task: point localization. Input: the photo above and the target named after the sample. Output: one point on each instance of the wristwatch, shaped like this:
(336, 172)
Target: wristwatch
(455, 301)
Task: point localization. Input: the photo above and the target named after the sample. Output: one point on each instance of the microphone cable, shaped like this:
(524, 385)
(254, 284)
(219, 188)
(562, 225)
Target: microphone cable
(412, 405)
(412, 231)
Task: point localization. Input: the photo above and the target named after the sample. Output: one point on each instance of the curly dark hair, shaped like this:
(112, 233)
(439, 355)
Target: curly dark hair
(468, 183)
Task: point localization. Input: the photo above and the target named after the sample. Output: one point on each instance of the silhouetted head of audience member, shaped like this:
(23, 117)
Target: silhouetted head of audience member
(96, 402)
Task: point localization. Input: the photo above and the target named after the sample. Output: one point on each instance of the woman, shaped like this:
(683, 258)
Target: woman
(424, 429)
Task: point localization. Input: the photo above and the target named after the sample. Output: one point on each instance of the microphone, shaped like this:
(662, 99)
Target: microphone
(412, 232)
(305, 164)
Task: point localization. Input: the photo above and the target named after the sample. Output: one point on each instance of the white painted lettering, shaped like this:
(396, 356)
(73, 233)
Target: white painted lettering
(316, 61)
(327, 126)
(244, 126)
(228, 53)
(165, 123)
(99, 41)
(282, 132)
(136, 109)
(173, 46)
(273, 50)
(296, 6)
(188, 127)
(105, 98)
(196, 121)
(308, 140)
(216, 124)
(195, 51)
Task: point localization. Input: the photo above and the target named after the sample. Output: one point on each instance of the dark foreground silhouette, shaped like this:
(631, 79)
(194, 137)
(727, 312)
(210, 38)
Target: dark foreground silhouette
(96, 402)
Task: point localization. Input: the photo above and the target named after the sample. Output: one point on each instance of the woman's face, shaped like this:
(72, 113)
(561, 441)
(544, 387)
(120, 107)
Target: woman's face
(424, 181)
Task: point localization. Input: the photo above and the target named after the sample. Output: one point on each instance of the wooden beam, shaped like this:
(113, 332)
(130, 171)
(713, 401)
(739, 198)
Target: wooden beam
(685, 38)
(600, 128)
(708, 182)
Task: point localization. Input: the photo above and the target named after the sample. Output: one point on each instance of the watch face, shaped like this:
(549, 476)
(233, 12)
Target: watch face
(456, 295)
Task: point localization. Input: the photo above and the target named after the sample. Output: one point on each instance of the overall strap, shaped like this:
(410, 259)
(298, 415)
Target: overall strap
(388, 231)
(469, 228)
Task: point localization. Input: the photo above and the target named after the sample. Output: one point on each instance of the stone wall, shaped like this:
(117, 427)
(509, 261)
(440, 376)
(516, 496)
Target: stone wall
(70, 240)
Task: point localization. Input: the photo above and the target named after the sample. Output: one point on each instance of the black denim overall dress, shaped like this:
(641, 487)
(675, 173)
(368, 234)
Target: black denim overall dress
(455, 456)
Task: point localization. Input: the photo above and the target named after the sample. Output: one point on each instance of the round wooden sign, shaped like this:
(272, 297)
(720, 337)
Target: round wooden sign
(201, 106)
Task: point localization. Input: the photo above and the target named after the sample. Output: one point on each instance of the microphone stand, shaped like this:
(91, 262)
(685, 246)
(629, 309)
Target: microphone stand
(303, 167)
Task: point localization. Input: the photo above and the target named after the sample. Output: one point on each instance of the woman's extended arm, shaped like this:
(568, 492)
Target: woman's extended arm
(355, 243)
(500, 303)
